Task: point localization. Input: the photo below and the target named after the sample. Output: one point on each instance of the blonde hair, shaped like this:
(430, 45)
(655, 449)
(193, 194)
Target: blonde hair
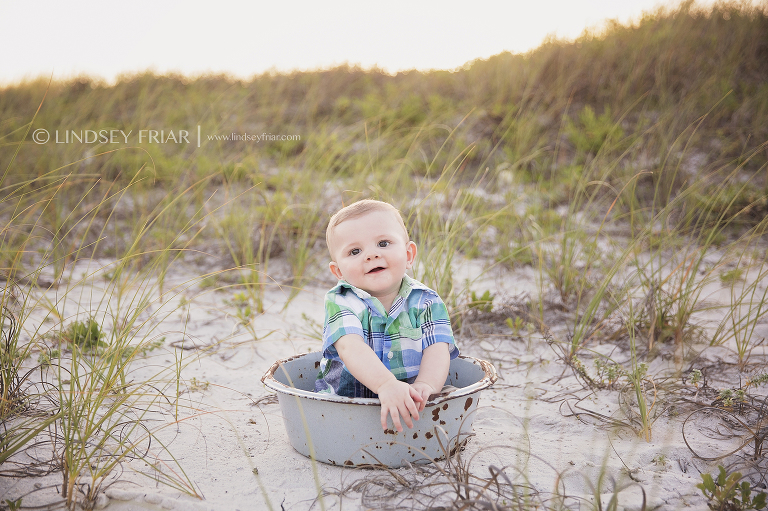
(358, 209)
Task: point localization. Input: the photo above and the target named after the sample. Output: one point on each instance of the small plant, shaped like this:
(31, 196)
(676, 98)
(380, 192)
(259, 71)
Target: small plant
(243, 311)
(727, 396)
(86, 334)
(13, 505)
(579, 367)
(142, 349)
(209, 282)
(726, 494)
(757, 380)
(747, 310)
(46, 357)
(731, 276)
(196, 385)
(608, 373)
(660, 460)
(731, 396)
(695, 377)
(642, 386)
(515, 324)
(641, 371)
(482, 303)
(238, 300)
(569, 263)
(591, 131)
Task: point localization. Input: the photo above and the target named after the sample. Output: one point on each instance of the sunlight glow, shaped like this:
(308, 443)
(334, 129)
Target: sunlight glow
(244, 38)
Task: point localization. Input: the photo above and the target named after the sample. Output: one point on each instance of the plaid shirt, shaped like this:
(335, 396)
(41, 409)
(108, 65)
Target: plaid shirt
(418, 318)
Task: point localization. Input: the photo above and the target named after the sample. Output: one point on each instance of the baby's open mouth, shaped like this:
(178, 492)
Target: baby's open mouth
(377, 269)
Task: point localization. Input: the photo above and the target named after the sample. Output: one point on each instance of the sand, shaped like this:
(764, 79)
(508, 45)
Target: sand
(232, 445)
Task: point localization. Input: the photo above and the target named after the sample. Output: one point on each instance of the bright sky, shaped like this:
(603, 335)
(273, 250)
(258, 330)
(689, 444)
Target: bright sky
(106, 38)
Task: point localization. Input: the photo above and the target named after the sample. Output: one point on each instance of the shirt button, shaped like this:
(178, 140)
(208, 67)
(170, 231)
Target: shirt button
(390, 355)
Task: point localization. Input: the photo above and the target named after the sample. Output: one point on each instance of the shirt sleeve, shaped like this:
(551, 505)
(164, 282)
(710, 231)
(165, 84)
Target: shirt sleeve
(436, 326)
(340, 320)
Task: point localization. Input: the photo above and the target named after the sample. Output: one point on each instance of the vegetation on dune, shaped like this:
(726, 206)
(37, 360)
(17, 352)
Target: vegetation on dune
(650, 81)
(628, 169)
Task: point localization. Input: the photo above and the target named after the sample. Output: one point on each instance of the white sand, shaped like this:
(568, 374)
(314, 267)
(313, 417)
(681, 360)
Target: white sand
(239, 457)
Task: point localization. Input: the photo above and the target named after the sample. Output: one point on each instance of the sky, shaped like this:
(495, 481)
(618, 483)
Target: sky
(244, 38)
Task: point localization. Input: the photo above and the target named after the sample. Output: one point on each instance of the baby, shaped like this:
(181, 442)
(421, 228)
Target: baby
(386, 335)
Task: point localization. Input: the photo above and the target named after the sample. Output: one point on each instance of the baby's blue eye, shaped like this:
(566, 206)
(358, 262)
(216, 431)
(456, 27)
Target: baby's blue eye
(384, 243)
(354, 251)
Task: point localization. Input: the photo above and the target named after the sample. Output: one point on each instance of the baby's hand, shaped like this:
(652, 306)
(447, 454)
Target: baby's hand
(398, 398)
(425, 390)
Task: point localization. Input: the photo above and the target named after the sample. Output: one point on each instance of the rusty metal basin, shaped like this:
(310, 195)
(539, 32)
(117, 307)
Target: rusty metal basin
(347, 431)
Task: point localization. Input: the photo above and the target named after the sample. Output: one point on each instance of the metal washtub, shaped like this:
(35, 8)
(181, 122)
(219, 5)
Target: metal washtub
(347, 431)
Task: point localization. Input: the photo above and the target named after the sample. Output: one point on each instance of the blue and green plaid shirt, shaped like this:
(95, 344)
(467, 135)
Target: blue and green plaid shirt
(418, 318)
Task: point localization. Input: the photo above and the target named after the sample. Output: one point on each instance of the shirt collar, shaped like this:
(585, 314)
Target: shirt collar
(406, 286)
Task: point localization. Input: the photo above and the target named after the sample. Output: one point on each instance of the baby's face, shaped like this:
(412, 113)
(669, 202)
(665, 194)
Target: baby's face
(371, 252)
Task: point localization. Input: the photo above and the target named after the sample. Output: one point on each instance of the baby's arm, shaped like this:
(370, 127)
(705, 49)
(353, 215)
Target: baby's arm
(397, 397)
(435, 361)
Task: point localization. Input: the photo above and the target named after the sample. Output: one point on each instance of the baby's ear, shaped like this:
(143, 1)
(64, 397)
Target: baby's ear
(335, 269)
(410, 254)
